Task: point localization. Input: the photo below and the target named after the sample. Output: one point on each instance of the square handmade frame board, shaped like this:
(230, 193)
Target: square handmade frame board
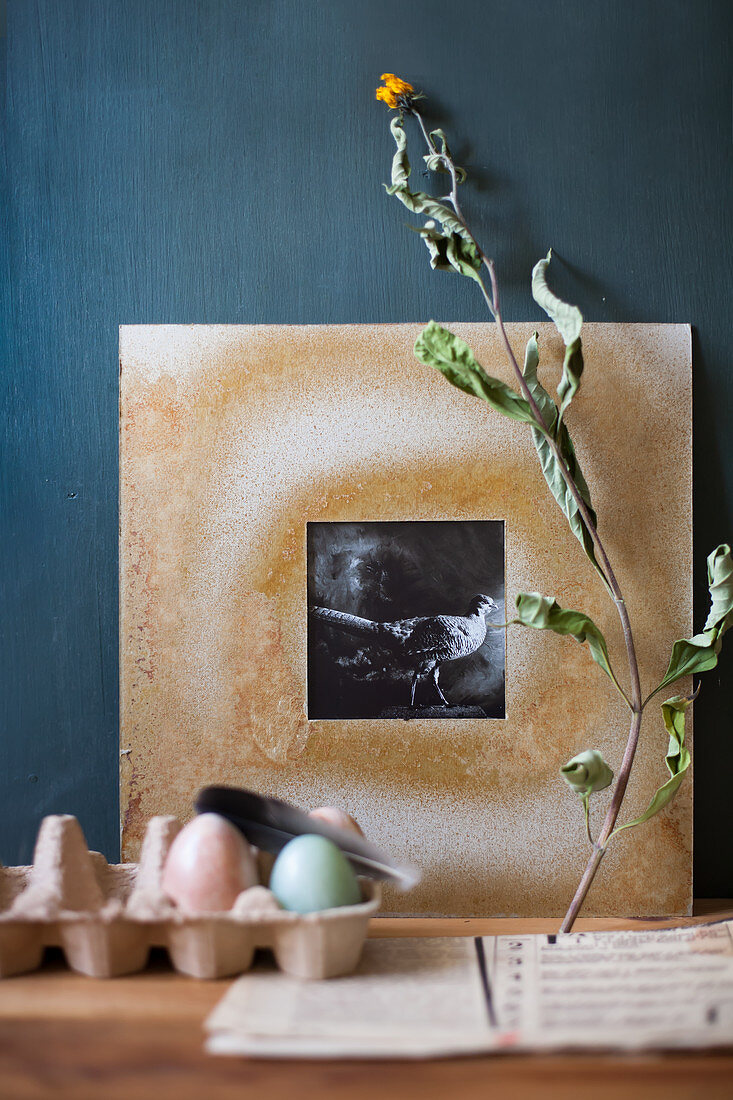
(233, 438)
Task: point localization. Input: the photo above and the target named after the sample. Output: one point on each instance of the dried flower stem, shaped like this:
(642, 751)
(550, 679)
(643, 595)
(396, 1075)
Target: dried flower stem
(635, 700)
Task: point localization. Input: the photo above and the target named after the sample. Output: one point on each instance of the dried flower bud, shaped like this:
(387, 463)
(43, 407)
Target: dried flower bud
(587, 772)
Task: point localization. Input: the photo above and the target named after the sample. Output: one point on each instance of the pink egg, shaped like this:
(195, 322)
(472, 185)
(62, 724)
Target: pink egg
(208, 866)
(331, 815)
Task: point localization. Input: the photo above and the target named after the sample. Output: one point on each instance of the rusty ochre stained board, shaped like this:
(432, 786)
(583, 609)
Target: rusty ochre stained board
(234, 438)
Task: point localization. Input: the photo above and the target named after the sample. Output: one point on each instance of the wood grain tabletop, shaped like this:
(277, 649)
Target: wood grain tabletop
(68, 1036)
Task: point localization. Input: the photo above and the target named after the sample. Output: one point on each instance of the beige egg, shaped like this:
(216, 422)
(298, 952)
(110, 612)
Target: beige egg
(257, 901)
(208, 866)
(331, 815)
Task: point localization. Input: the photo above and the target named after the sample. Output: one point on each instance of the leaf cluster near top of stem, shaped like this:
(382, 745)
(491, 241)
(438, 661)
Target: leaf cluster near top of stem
(451, 246)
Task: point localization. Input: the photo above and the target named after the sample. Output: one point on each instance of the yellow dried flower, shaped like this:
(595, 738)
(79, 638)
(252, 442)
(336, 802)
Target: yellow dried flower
(396, 92)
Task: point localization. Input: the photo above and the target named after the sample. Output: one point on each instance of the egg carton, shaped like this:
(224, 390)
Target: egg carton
(106, 917)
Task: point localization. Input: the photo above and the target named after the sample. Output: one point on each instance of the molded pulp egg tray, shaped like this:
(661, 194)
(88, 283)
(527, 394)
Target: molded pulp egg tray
(106, 917)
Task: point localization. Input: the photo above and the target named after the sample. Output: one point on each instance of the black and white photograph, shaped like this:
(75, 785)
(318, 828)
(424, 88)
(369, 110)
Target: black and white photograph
(403, 619)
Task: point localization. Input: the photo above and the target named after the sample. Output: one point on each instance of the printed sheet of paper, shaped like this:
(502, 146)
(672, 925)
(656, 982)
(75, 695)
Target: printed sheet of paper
(414, 997)
(624, 990)
(443, 997)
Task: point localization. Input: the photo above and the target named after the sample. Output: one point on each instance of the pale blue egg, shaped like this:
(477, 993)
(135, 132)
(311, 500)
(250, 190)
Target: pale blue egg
(311, 873)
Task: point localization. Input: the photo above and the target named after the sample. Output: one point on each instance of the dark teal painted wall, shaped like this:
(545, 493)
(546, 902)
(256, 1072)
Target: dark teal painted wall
(221, 161)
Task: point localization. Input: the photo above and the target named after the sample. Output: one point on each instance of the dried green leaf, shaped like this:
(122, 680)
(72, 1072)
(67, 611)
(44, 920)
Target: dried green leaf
(449, 252)
(544, 613)
(400, 162)
(463, 256)
(437, 347)
(572, 369)
(437, 245)
(568, 321)
(677, 759)
(542, 398)
(549, 462)
(420, 203)
(436, 161)
(720, 586)
(691, 656)
(561, 492)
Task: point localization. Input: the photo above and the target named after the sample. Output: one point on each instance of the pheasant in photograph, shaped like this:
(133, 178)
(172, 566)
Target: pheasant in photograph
(423, 643)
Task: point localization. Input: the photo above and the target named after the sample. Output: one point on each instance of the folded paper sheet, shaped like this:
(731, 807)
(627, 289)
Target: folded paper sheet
(432, 998)
(285, 487)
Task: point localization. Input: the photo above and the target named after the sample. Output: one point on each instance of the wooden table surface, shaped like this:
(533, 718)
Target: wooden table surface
(63, 1035)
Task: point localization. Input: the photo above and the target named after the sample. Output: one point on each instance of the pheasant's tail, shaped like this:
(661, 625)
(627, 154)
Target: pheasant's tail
(351, 624)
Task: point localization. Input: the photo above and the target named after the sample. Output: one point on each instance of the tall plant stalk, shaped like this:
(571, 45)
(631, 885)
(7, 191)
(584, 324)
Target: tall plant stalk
(635, 701)
(454, 247)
